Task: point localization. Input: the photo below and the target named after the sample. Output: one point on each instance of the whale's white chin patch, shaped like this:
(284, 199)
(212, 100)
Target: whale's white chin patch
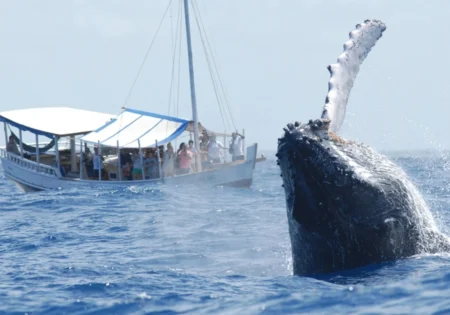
(344, 72)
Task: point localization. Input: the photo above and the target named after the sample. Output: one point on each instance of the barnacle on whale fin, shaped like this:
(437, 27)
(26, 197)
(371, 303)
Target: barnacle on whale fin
(344, 72)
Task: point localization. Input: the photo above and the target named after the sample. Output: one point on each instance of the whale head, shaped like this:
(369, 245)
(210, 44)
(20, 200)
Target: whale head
(325, 187)
(348, 205)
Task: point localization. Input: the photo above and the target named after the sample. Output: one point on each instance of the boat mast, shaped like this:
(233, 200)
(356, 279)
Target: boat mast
(192, 81)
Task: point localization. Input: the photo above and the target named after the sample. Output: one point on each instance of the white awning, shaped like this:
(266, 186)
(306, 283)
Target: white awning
(55, 121)
(133, 125)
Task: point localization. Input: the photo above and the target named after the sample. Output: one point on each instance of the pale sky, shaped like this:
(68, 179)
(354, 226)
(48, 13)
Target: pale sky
(272, 57)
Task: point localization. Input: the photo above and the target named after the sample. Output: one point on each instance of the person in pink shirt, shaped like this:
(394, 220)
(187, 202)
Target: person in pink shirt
(184, 159)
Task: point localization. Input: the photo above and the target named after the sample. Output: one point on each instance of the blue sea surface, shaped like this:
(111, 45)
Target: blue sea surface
(183, 249)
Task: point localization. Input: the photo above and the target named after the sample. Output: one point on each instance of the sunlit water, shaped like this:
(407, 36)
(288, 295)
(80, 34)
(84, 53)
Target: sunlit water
(216, 250)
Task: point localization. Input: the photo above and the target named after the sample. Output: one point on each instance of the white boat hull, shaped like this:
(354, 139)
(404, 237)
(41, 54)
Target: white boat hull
(31, 176)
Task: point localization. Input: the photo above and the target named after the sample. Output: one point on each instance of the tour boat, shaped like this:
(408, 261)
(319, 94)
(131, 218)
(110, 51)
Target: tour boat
(46, 165)
(53, 167)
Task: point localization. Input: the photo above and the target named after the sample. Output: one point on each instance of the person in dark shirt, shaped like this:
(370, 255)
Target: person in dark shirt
(126, 164)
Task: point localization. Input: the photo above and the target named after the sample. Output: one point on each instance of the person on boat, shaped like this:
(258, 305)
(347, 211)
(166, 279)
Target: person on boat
(12, 146)
(98, 163)
(161, 152)
(169, 161)
(195, 154)
(236, 149)
(151, 164)
(126, 164)
(88, 162)
(214, 150)
(191, 147)
(204, 140)
(184, 159)
(205, 135)
(203, 143)
(137, 166)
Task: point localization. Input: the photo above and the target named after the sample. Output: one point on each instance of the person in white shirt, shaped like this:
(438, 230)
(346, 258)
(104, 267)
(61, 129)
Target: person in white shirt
(194, 154)
(98, 163)
(236, 149)
(169, 161)
(214, 150)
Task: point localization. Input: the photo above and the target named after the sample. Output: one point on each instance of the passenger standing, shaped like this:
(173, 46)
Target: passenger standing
(236, 149)
(98, 163)
(214, 150)
(151, 164)
(184, 159)
(194, 153)
(126, 164)
(137, 166)
(169, 161)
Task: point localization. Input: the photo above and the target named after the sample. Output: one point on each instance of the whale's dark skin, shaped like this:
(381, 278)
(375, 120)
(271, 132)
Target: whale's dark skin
(347, 205)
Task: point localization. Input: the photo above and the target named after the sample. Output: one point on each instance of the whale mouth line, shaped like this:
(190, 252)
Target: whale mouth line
(301, 181)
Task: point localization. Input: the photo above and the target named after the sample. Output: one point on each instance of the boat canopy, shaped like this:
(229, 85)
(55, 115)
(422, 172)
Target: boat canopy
(133, 128)
(55, 121)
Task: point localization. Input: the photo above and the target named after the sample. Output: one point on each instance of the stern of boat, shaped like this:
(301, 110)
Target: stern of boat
(252, 152)
(243, 172)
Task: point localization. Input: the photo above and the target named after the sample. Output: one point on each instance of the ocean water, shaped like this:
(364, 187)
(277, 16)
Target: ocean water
(210, 251)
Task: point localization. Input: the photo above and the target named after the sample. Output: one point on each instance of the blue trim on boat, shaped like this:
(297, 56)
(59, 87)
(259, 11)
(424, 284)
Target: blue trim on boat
(176, 134)
(165, 117)
(120, 130)
(113, 120)
(25, 128)
(144, 132)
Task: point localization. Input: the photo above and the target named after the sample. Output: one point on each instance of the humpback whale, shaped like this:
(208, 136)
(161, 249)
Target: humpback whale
(347, 205)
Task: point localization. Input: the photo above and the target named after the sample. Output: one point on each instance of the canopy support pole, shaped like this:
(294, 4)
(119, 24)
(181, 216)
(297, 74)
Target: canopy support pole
(73, 155)
(244, 149)
(225, 145)
(192, 83)
(57, 155)
(141, 158)
(118, 162)
(21, 145)
(37, 149)
(81, 159)
(99, 160)
(6, 133)
(159, 161)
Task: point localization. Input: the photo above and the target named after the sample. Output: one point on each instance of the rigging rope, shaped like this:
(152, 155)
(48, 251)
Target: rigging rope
(146, 55)
(174, 48)
(219, 90)
(218, 98)
(179, 62)
(214, 63)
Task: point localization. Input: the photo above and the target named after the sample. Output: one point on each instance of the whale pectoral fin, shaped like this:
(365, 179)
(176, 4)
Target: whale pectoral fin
(344, 72)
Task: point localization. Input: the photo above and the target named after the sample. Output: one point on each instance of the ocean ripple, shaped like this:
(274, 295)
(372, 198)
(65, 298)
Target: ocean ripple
(185, 250)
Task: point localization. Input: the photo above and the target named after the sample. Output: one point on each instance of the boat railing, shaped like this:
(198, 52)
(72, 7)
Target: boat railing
(28, 164)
